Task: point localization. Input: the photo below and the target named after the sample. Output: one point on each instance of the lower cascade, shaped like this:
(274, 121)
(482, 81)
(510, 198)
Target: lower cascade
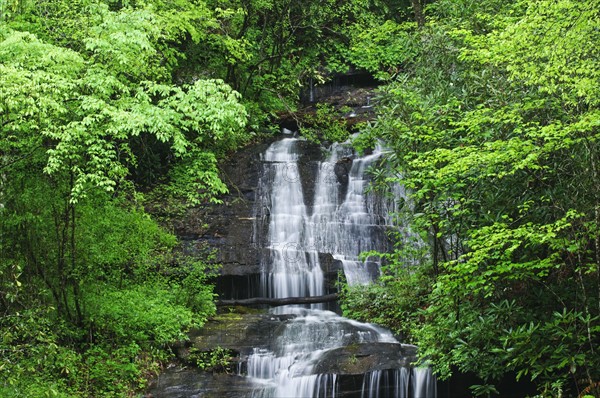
(399, 383)
(306, 355)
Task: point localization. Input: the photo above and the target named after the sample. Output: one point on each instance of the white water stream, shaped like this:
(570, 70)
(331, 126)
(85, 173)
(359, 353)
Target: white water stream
(343, 221)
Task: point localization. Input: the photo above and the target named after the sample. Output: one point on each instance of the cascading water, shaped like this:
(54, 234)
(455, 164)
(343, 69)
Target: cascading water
(288, 271)
(343, 221)
(399, 383)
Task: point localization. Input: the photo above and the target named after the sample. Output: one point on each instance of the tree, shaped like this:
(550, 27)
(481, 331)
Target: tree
(70, 124)
(494, 129)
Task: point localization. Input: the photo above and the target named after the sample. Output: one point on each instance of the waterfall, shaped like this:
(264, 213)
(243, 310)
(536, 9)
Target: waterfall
(386, 383)
(399, 383)
(289, 271)
(341, 220)
(423, 383)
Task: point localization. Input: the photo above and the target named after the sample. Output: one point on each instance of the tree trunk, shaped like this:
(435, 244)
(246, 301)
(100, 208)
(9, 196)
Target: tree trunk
(275, 302)
(417, 6)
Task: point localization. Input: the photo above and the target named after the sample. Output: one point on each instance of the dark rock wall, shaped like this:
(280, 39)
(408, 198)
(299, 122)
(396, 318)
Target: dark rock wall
(229, 227)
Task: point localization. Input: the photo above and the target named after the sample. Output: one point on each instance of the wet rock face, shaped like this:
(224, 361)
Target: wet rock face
(228, 227)
(358, 359)
(238, 332)
(182, 382)
(342, 169)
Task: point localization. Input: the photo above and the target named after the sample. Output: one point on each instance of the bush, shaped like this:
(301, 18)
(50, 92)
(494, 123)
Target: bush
(395, 301)
(113, 372)
(147, 315)
(34, 364)
(217, 360)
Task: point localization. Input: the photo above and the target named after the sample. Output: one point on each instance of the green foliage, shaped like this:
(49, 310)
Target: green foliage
(88, 301)
(490, 116)
(194, 289)
(124, 42)
(566, 330)
(217, 360)
(113, 372)
(392, 302)
(569, 68)
(270, 50)
(90, 131)
(38, 363)
(139, 314)
(125, 295)
(493, 127)
(484, 390)
(29, 345)
(398, 297)
(326, 124)
(132, 245)
(383, 49)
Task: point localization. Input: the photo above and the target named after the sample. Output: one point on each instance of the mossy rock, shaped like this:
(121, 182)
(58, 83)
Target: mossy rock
(235, 331)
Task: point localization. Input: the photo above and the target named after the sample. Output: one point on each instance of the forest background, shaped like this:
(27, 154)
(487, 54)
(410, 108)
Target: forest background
(490, 113)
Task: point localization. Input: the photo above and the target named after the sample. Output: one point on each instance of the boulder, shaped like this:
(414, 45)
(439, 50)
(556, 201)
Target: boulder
(236, 331)
(358, 359)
